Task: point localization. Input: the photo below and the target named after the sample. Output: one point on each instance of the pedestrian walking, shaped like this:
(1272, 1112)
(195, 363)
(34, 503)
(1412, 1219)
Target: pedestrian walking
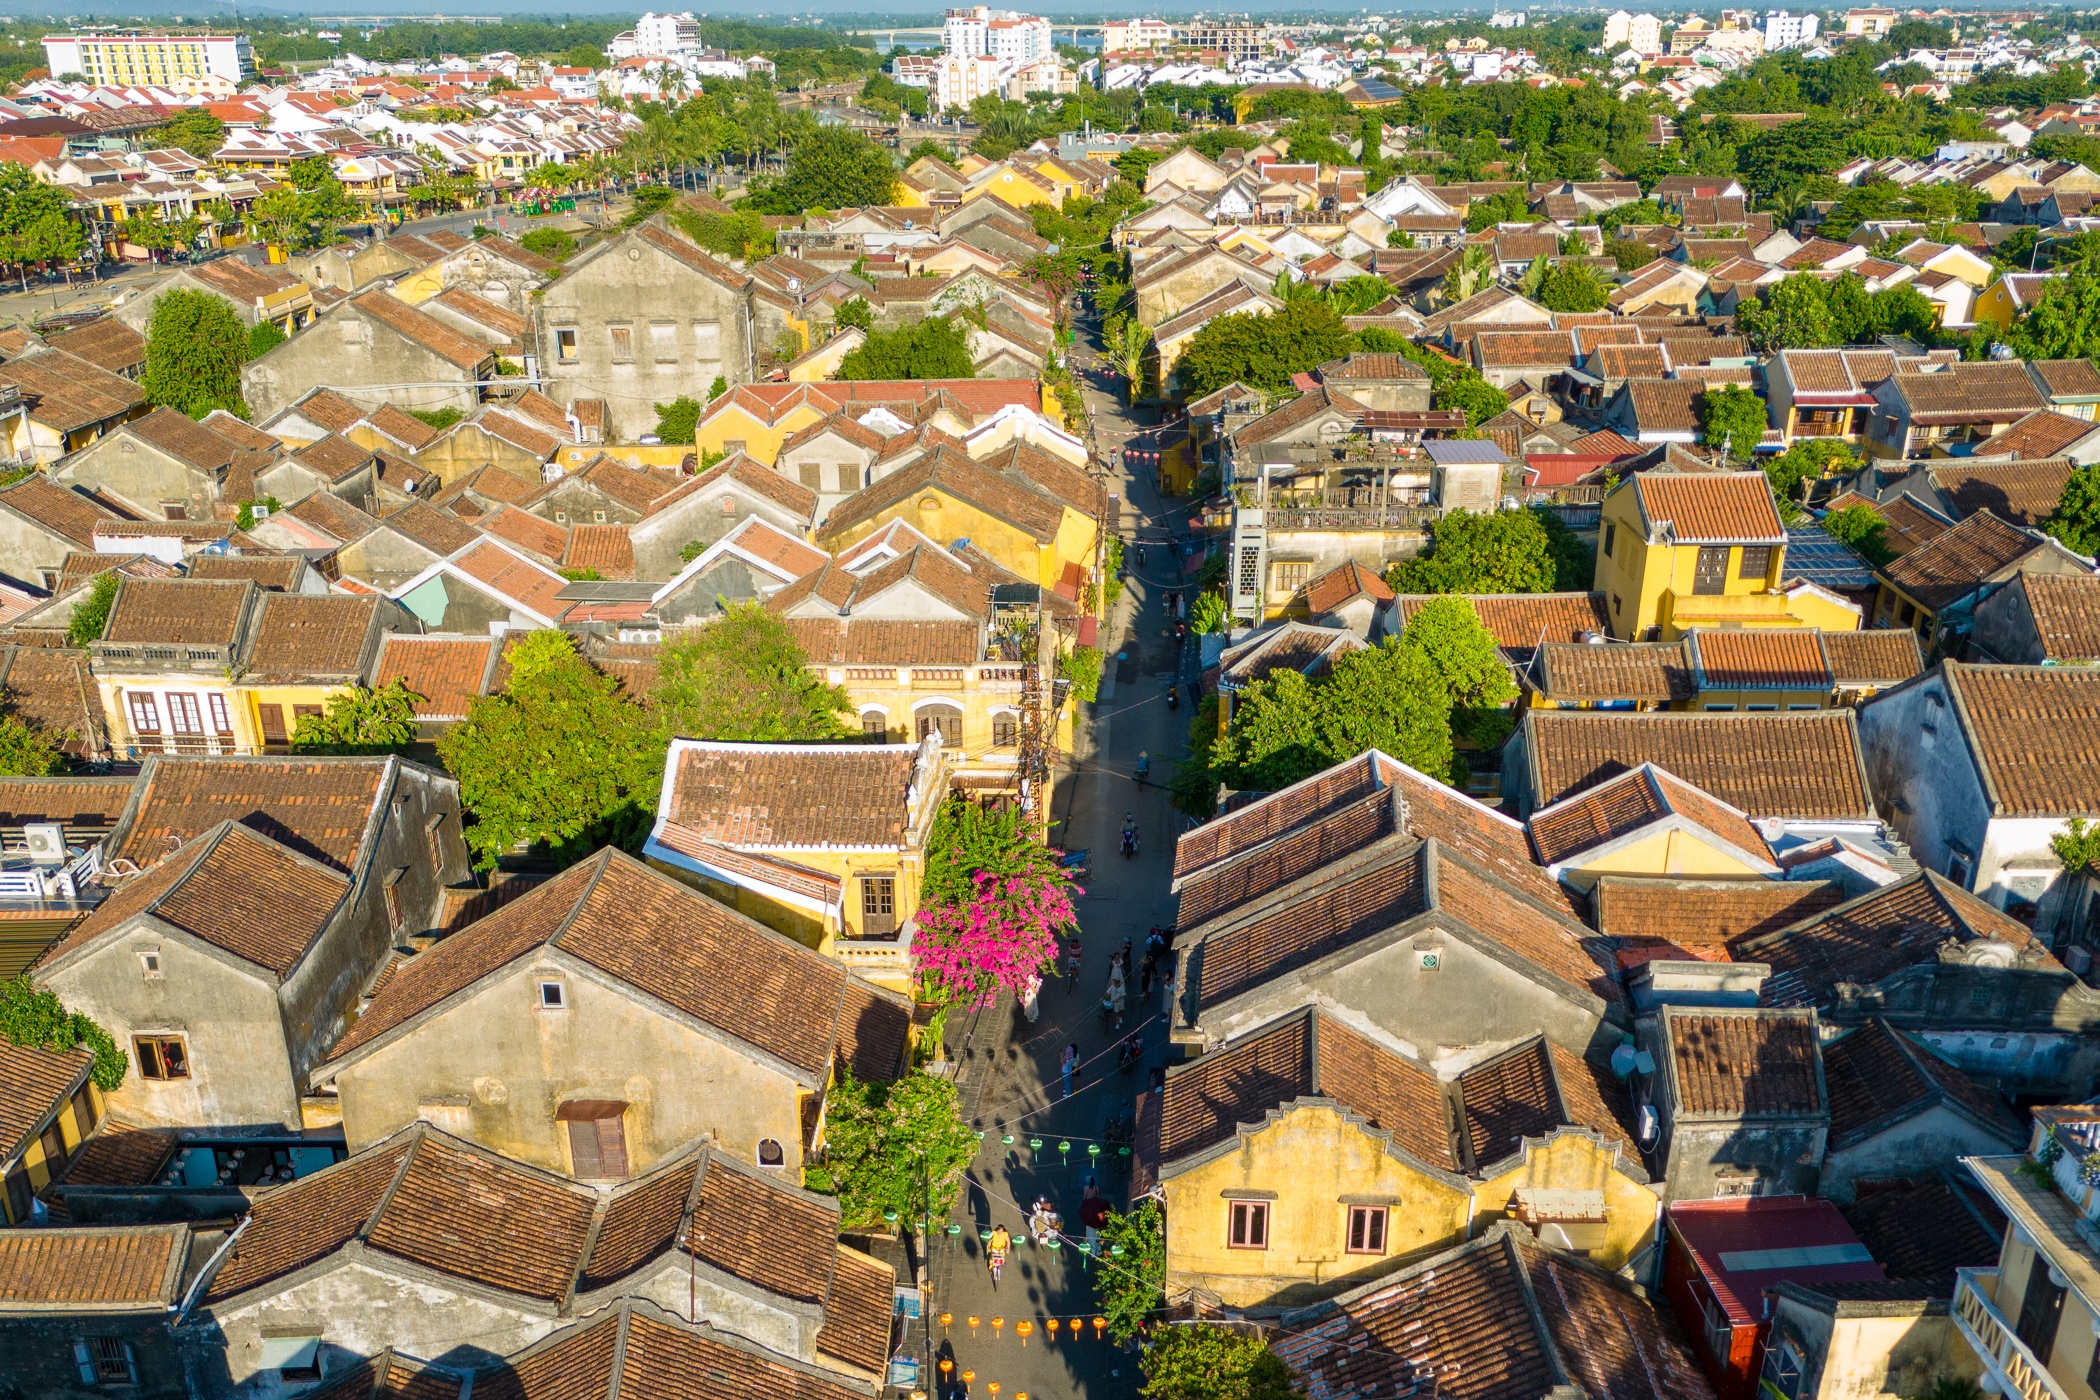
(1145, 977)
(1068, 1065)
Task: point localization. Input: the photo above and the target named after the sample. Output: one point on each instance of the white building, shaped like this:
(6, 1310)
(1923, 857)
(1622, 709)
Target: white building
(1785, 31)
(966, 33)
(1020, 38)
(667, 34)
(1506, 19)
(914, 69)
(960, 79)
(185, 63)
(1641, 33)
(1122, 36)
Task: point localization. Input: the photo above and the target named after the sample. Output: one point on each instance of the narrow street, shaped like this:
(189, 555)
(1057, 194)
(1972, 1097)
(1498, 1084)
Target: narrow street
(1009, 1066)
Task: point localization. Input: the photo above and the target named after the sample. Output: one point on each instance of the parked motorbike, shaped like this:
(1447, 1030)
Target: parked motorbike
(1173, 698)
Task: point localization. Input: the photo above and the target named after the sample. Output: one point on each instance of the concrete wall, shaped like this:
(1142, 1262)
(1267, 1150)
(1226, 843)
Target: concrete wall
(384, 558)
(140, 475)
(659, 540)
(1933, 1140)
(347, 350)
(28, 551)
(1573, 1161)
(706, 331)
(40, 1365)
(517, 1063)
(1310, 1165)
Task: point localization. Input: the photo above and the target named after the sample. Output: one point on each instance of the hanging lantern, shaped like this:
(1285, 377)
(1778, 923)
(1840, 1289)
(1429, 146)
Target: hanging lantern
(1023, 1329)
(1100, 1326)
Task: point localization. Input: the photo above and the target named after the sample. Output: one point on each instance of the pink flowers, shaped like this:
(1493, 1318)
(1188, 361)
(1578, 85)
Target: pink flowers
(1003, 939)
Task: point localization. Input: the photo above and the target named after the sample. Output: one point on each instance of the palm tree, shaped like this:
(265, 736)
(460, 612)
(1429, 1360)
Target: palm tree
(1474, 271)
(1127, 352)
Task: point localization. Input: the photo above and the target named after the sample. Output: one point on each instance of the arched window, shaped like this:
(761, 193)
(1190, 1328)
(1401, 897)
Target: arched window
(769, 1153)
(1006, 731)
(944, 720)
(875, 724)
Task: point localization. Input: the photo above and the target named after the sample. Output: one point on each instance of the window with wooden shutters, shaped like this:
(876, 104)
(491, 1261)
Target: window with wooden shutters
(185, 720)
(944, 720)
(1367, 1229)
(271, 718)
(597, 1138)
(1755, 563)
(875, 724)
(1006, 731)
(622, 343)
(221, 718)
(145, 715)
(878, 906)
(1710, 576)
(392, 891)
(812, 475)
(1250, 1225)
(85, 1115)
(53, 1141)
(161, 1056)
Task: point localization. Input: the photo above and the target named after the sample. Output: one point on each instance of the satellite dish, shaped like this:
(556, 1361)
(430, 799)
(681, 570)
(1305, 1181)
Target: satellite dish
(794, 284)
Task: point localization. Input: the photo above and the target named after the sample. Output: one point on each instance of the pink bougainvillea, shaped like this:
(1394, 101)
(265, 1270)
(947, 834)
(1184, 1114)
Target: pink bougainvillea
(1005, 938)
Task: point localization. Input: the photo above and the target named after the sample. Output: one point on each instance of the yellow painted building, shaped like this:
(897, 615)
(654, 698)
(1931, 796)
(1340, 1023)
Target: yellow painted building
(1678, 551)
(1647, 822)
(1335, 1161)
(54, 1108)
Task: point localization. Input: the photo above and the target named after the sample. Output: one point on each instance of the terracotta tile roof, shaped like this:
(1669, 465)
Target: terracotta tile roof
(88, 1270)
(2024, 493)
(1521, 621)
(2042, 433)
(1929, 1231)
(1629, 803)
(605, 548)
(1882, 656)
(857, 1313)
(637, 1350)
(691, 255)
(1878, 1076)
(491, 482)
(243, 282)
(424, 329)
(641, 1221)
(862, 641)
(276, 571)
(231, 888)
(496, 319)
(33, 1082)
(1950, 566)
(821, 795)
(455, 1211)
(513, 578)
(1504, 349)
(762, 1232)
(108, 344)
(119, 1154)
(1337, 586)
(529, 532)
(1323, 793)
(177, 612)
(412, 432)
(1761, 658)
(436, 530)
(67, 393)
(2067, 378)
(327, 409)
(1243, 957)
(389, 1377)
(1530, 1092)
(183, 438)
(1306, 1055)
(53, 689)
(1555, 945)
(300, 1224)
(2035, 735)
(1656, 672)
(1743, 1063)
(1880, 933)
(1332, 837)
(299, 637)
(1485, 838)
(1500, 1316)
(671, 943)
(1702, 916)
(319, 807)
(1628, 362)
(1969, 392)
(1710, 507)
(792, 496)
(336, 517)
(335, 458)
(68, 513)
(1768, 765)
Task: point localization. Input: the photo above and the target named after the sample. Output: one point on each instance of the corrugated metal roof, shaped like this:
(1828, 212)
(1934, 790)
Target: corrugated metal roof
(1446, 451)
(1822, 558)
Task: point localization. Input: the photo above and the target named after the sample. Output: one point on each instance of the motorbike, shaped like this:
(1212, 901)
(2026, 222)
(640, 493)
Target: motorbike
(1130, 842)
(1129, 1054)
(1173, 698)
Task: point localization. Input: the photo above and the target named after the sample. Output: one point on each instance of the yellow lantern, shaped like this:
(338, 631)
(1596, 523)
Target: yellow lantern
(1022, 1329)
(1100, 1326)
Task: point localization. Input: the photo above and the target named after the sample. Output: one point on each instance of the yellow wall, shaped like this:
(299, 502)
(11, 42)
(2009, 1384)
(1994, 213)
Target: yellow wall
(1012, 189)
(1310, 1158)
(943, 517)
(469, 447)
(34, 1163)
(1645, 585)
(1663, 853)
(1760, 699)
(1994, 304)
(1574, 1161)
(826, 362)
(761, 439)
(420, 285)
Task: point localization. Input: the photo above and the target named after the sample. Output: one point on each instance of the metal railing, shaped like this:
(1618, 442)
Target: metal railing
(1370, 517)
(2006, 1358)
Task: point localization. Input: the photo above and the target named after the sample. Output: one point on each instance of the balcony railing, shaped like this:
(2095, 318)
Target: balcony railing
(1362, 517)
(2005, 1357)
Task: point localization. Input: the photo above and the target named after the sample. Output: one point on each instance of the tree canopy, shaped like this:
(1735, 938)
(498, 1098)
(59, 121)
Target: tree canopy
(1504, 551)
(1202, 1361)
(898, 1147)
(1573, 286)
(559, 757)
(1733, 419)
(744, 677)
(833, 169)
(34, 222)
(1262, 352)
(361, 720)
(1803, 312)
(2076, 519)
(40, 1019)
(1287, 727)
(933, 348)
(195, 347)
(678, 421)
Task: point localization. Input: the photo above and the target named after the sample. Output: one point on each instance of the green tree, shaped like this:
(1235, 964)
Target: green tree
(745, 677)
(899, 1148)
(90, 617)
(1630, 254)
(1733, 419)
(678, 421)
(1865, 531)
(968, 838)
(326, 205)
(855, 311)
(1508, 207)
(40, 1019)
(361, 720)
(1202, 1361)
(1448, 634)
(1389, 698)
(834, 169)
(550, 243)
(1262, 352)
(2064, 323)
(192, 129)
(1470, 391)
(742, 234)
(195, 347)
(560, 757)
(584, 56)
(2076, 519)
(1126, 349)
(35, 222)
(26, 751)
(1573, 286)
(263, 337)
(1794, 315)
(1131, 1287)
(933, 348)
(1915, 34)
(1504, 551)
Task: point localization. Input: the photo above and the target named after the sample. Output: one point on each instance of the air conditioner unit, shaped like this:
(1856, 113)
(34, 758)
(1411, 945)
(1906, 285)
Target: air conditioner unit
(46, 842)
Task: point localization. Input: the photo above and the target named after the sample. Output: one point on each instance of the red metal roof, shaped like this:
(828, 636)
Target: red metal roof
(1744, 1245)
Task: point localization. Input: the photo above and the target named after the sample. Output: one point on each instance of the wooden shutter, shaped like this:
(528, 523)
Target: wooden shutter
(1710, 575)
(583, 1149)
(272, 717)
(612, 1148)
